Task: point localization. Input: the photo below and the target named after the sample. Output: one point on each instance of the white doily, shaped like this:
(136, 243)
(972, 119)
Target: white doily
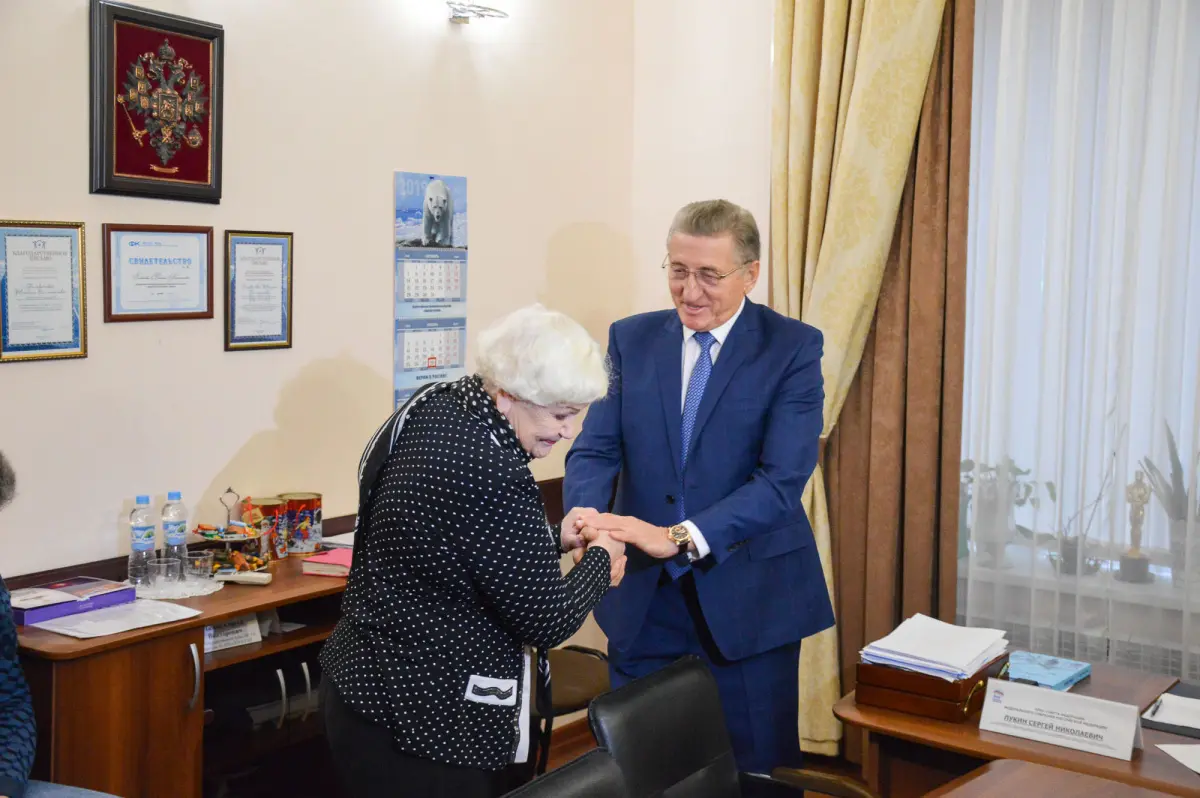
(179, 590)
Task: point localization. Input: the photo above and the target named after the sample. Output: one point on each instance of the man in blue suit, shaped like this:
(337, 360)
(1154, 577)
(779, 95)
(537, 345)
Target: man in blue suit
(710, 432)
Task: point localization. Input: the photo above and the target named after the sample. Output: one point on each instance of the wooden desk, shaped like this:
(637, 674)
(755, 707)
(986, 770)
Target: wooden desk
(1008, 777)
(909, 755)
(124, 714)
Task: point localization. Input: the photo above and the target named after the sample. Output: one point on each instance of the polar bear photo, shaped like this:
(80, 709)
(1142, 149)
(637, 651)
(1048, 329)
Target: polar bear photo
(438, 216)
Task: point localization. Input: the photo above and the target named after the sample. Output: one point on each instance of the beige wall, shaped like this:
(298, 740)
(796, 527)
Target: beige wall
(701, 129)
(567, 119)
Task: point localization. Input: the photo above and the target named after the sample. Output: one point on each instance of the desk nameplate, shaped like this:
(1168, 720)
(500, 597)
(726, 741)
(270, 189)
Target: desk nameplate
(1094, 725)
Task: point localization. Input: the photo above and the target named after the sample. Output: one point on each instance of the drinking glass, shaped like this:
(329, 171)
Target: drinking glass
(199, 566)
(164, 569)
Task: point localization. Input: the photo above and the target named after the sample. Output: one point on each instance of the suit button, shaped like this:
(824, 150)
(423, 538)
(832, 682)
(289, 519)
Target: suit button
(670, 499)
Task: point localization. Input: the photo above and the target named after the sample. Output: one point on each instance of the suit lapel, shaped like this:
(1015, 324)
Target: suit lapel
(668, 362)
(737, 348)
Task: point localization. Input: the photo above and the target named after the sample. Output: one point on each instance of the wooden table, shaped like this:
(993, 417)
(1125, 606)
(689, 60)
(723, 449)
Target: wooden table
(910, 755)
(1006, 778)
(124, 714)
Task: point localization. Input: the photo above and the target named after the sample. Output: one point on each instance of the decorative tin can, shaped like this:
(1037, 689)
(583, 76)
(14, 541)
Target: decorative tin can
(304, 522)
(269, 516)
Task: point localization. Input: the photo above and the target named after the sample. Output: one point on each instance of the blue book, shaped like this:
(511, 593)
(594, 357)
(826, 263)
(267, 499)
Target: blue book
(1046, 671)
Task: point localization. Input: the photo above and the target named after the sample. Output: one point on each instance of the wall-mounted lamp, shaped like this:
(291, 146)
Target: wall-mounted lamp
(462, 13)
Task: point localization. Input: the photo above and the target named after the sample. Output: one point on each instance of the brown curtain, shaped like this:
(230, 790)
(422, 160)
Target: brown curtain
(893, 459)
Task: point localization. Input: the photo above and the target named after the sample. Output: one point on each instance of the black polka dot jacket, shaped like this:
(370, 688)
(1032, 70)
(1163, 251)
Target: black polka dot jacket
(455, 572)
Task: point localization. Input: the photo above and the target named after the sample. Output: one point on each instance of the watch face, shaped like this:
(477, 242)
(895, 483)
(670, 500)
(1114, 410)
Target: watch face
(679, 534)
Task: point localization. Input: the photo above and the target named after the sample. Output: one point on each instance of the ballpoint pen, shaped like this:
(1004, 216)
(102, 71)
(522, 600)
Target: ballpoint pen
(1154, 707)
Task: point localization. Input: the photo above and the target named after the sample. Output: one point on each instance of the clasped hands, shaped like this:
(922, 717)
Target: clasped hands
(585, 527)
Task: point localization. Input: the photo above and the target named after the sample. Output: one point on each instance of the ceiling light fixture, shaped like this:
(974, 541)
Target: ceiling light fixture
(462, 13)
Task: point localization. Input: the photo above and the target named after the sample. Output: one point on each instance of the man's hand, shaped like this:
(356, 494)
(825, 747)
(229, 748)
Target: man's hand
(572, 528)
(649, 538)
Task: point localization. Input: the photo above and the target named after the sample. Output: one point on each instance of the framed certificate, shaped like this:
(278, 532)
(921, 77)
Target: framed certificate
(156, 99)
(157, 272)
(43, 307)
(258, 290)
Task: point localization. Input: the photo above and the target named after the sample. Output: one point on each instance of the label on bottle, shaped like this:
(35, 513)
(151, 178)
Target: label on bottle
(175, 532)
(143, 537)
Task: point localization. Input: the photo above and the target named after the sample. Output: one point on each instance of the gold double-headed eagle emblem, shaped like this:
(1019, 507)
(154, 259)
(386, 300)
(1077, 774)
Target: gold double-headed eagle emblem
(167, 96)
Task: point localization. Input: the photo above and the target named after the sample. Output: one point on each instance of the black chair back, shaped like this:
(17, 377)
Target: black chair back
(667, 732)
(593, 775)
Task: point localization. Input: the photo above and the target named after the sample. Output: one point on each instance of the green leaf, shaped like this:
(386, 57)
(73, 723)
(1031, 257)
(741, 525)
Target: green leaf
(1025, 532)
(1052, 490)
(968, 465)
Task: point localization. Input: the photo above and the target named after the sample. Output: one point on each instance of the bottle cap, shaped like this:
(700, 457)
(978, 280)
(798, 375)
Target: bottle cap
(143, 500)
(174, 496)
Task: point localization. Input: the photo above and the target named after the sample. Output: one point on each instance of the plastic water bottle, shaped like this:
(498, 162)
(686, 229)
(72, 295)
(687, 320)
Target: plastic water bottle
(141, 541)
(174, 524)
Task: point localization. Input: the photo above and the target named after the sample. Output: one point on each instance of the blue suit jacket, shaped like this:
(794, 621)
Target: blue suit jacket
(754, 448)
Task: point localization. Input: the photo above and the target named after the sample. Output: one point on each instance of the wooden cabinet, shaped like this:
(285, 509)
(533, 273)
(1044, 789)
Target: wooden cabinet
(128, 721)
(124, 714)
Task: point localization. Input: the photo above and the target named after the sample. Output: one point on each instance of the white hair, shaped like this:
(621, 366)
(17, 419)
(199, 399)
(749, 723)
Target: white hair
(544, 357)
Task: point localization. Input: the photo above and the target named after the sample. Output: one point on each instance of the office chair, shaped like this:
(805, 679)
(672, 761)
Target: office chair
(578, 675)
(593, 775)
(667, 733)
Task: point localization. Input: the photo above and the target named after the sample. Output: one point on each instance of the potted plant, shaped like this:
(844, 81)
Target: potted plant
(1172, 494)
(1072, 541)
(996, 491)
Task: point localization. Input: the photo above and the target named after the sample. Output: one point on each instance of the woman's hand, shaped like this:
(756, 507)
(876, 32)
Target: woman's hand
(572, 528)
(615, 549)
(618, 571)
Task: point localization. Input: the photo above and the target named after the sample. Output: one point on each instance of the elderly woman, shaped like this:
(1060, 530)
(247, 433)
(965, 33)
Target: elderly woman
(456, 575)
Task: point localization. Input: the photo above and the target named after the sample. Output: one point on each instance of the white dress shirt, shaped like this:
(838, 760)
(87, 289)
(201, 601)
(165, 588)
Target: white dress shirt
(691, 354)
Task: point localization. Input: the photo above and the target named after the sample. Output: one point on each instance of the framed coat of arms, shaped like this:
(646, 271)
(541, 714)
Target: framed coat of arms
(156, 104)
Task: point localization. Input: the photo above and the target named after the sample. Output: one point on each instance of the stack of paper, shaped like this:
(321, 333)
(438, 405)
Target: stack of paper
(927, 645)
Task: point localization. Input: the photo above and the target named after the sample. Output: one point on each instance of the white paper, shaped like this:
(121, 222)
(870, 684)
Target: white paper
(160, 272)
(1176, 710)
(240, 631)
(258, 290)
(928, 645)
(1186, 755)
(32, 597)
(40, 303)
(1108, 728)
(122, 618)
(345, 541)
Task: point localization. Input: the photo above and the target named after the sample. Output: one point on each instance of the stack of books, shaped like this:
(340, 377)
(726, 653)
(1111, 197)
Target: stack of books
(931, 647)
(335, 562)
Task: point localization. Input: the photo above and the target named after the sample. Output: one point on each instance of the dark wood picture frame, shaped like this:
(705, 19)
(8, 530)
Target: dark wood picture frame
(288, 240)
(109, 284)
(190, 151)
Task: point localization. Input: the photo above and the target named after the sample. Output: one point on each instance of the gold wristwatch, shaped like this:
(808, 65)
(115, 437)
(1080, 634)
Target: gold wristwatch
(681, 536)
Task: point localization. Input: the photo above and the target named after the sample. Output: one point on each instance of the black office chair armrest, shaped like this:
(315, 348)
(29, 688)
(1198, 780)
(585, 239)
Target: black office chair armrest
(754, 786)
(792, 782)
(591, 652)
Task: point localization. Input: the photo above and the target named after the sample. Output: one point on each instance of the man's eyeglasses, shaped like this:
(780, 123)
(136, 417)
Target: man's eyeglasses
(707, 276)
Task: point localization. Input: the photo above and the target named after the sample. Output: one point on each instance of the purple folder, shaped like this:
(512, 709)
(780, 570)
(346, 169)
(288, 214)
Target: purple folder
(92, 593)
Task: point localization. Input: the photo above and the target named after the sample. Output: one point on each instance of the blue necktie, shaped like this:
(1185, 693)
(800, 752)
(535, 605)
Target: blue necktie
(680, 565)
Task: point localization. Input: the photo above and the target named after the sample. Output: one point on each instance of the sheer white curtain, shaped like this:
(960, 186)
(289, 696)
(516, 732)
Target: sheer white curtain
(1083, 329)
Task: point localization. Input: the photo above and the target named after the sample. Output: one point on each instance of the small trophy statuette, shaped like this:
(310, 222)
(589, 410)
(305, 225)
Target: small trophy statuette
(1135, 566)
